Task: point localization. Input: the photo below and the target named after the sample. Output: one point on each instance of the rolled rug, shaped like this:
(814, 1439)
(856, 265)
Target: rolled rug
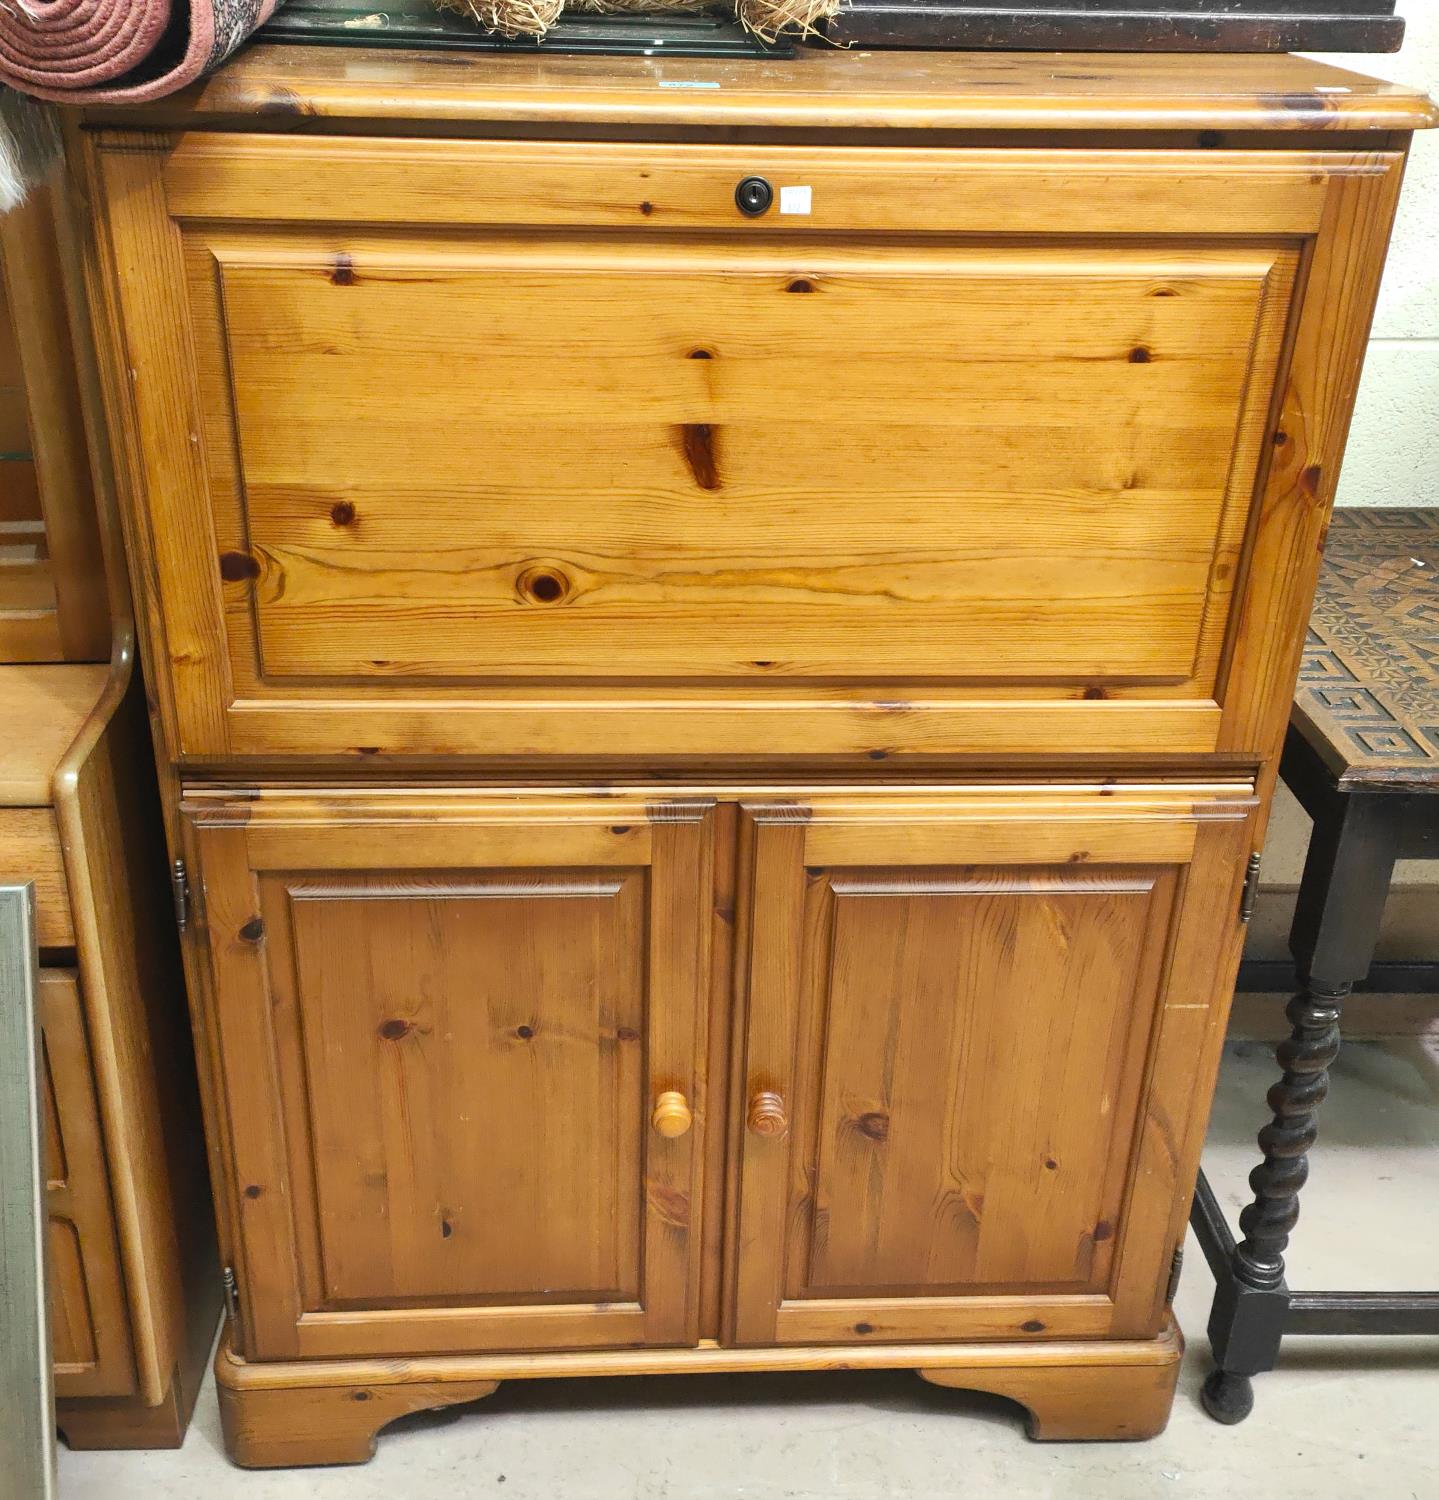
(119, 51)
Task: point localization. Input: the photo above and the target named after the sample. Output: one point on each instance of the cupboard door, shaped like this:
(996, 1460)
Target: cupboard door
(89, 1318)
(445, 1026)
(972, 1030)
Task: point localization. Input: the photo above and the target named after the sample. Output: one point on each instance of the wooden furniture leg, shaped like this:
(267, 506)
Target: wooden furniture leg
(123, 1422)
(274, 1425)
(1080, 1403)
(1335, 933)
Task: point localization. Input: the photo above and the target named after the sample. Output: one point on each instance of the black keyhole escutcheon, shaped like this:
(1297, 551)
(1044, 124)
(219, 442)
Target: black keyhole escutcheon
(753, 197)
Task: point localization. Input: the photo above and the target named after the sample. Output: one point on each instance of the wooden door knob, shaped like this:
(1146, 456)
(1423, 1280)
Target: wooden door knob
(767, 1115)
(672, 1116)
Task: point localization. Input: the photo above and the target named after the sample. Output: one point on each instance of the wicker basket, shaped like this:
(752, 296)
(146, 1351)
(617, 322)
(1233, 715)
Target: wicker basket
(767, 19)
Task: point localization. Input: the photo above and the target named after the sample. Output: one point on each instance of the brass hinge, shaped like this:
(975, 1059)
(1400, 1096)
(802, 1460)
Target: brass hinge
(180, 888)
(232, 1294)
(1176, 1267)
(1251, 889)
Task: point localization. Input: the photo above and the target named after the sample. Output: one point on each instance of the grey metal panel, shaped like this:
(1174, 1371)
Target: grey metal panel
(27, 1399)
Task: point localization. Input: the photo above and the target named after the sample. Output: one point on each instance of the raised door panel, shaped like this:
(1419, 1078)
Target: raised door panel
(1021, 473)
(951, 1029)
(89, 1317)
(441, 1041)
(742, 488)
(499, 1022)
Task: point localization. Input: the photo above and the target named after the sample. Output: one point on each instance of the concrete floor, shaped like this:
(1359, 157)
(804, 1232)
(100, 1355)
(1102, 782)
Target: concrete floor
(1341, 1418)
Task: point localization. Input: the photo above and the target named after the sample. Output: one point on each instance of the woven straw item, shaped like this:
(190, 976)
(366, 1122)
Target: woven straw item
(765, 18)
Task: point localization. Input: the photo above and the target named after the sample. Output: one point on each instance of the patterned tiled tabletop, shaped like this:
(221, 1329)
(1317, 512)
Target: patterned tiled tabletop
(1368, 694)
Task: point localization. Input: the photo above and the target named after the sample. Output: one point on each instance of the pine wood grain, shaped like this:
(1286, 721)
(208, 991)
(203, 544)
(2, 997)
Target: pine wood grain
(961, 1049)
(328, 1412)
(31, 267)
(239, 178)
(617, 575)
(816, 89)
(780, 551)
(515, 985)
(89, 1318)
(30, 850)
(327, 1424)
(144, 1072)
(1080, 1401)
(43, 709)
(1314, 409)
(1014, 453)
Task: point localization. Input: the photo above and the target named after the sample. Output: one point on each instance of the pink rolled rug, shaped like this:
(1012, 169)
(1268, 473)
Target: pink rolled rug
(119, 51)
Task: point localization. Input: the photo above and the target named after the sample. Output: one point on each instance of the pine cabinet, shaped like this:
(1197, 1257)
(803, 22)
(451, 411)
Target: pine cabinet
(716, 756)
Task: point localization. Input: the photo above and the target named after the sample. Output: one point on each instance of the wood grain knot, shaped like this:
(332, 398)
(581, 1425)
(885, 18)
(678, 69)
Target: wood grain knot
(672, 1206)
(283, 104)
(697, 440)
(252, 931)
(543, 585)
(874, 1124)
(342, 513)
(235, 567)
(396, 1030)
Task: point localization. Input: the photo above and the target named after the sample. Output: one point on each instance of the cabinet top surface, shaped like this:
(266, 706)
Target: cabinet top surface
(44, 708)
(281, 86)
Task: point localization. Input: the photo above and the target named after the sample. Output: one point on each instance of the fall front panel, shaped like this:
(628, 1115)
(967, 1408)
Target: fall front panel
(510, 447)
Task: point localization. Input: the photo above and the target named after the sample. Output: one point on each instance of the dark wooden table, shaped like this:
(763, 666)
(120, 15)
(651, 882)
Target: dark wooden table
(1120, 25)
(1362, 756)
